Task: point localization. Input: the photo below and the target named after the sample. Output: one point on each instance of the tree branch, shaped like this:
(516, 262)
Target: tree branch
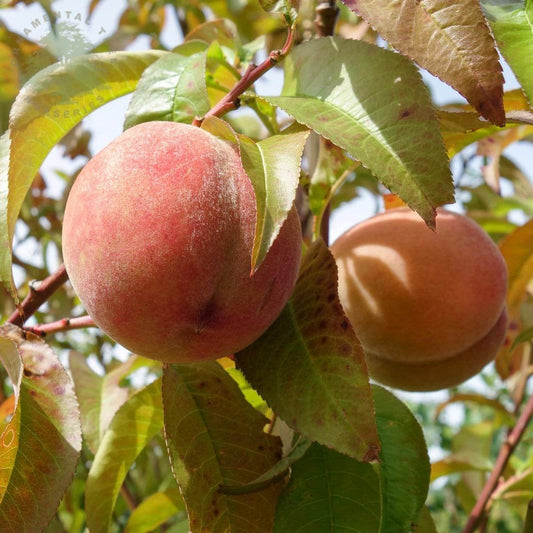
(511, 442)
(326, 18)
(252, 74)
(39, 293)
(326, 14)
(65, 324)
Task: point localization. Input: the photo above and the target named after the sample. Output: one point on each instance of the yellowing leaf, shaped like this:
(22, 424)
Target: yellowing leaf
(9, 84)
(493, 147)
(100, 397)
(46, 108)
(40, 445)
(517, 250)
(133, 426)
(462, 461)
(450, 39)
(478, 399)
(154, 511)
(461, 126)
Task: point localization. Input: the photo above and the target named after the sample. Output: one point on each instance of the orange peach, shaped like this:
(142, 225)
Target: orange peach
(157, 241)
(428, 306)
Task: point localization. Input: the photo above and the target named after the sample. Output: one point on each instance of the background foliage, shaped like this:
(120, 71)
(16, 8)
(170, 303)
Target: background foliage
(283, 442)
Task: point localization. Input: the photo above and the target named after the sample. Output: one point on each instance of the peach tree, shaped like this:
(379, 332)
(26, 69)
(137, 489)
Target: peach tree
(177, 352)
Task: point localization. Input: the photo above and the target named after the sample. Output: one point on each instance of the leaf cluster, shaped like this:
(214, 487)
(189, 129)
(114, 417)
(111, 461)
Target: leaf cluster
(289, 433)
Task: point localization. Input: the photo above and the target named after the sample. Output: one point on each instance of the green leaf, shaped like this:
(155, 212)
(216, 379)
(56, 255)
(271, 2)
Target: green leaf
(372, 103)
(5, 255)
(221, 31)
(310, 368)
(404, 466)
(330, 492)
(9, 83)
(278, 471)
(134, 425)
(333, 166)
(100, 397)
(524, 336)
(173, 88)
(273, 166)
(425, 522)
(512, 25)
(462, 461)
(251, 395)
(40, 446)
(284, 7)
(47, 107)
(154, 511)
(449, 39)
(216, 438)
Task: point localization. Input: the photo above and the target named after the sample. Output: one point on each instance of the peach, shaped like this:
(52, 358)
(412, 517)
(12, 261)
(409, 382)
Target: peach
(157, 241)
(428, 307)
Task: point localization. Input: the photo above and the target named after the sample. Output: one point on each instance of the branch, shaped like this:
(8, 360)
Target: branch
(326, 14)
(253, 73)
(65, 324)
(39, 292)
(511, 442)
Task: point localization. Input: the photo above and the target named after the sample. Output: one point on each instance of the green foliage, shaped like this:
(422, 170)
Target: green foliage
(511, 24)
(372, 103)
(309, 365)
(41, 443)
(289, 434)
(216, 438)
(329, 491)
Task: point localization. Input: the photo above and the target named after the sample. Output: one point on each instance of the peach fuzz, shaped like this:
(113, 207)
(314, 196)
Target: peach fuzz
(428, 306)
(157, 240)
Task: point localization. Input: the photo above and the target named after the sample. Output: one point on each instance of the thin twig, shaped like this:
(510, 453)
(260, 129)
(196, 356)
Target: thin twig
(509, 482)
(326, 18)
(65, 324)
(519, 391)
(326, 14)
(511, 442)
(128, 496)
(39, 293)
(253, 73)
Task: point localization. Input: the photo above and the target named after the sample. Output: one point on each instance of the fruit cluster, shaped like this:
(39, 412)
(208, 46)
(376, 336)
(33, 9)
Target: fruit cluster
(428, 306)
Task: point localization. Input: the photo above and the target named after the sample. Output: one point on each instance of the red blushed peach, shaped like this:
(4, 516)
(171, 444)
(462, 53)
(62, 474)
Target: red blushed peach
(157, 239)
(421, 299)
